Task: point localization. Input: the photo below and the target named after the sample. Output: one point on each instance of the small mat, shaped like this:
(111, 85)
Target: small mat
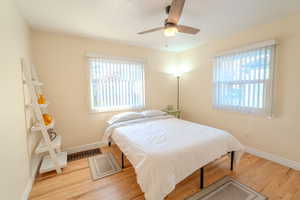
(83, 154)
(227, 189)
(103, 165)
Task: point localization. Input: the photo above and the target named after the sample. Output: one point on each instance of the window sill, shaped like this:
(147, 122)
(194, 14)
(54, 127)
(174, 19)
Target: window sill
(116, 111)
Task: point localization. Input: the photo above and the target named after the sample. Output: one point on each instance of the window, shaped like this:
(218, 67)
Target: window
(243, 79)
(116, 84)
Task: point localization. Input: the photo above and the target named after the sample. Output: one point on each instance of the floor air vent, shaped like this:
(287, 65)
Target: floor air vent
(83, 154)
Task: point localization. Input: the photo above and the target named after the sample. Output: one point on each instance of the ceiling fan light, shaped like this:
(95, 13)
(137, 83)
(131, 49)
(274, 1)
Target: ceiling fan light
(170, 31)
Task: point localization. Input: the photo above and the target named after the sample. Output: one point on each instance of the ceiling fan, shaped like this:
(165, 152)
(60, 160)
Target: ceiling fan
(171, 26)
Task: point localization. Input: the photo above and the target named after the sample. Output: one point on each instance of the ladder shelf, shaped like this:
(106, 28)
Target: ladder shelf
(55, 160)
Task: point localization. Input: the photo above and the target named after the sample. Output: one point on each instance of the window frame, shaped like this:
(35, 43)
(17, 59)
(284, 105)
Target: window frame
(267, 109)
(124, 59)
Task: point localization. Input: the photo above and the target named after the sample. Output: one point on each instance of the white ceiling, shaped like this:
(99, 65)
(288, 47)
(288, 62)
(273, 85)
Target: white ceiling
(121, 19)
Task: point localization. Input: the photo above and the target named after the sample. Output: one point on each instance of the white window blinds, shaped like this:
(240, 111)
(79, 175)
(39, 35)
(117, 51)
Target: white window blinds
(243, 79)
(116, 84)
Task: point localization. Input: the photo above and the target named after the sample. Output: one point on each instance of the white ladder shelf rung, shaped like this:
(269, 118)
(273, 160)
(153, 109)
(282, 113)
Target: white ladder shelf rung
(35, 83)
(48, 165)
(45, 105)
(38, 127)
(42, 147)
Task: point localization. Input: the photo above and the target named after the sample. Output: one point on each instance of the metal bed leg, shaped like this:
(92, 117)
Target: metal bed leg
(201, 178)
(122, 160)
(232, 160)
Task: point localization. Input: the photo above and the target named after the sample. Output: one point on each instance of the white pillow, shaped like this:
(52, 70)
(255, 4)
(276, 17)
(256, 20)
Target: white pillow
(125, 117)
(153, 113)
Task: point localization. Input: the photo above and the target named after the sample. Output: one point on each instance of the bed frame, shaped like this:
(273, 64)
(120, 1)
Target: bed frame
(231, 154)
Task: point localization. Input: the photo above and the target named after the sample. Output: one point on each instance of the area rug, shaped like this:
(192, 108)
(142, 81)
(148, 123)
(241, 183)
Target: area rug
(227, 189)
(103, 165)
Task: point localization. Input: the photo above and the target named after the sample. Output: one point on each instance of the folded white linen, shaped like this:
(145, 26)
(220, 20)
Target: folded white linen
(165, 150)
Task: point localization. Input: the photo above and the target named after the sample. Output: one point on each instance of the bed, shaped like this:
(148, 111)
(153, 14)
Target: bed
(165, 150)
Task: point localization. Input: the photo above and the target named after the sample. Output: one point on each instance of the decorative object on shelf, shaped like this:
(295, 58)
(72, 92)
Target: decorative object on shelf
(52, 134)
(41, 99)
(47, 119)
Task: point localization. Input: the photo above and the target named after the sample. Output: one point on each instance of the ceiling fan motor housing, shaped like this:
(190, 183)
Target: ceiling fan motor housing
(168, 24)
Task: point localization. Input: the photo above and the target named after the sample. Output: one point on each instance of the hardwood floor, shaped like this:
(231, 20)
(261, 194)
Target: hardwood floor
(271, 179)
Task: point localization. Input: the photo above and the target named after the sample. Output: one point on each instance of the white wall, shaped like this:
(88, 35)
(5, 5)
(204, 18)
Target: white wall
(15, 145)
(280, 135)
(62, 66)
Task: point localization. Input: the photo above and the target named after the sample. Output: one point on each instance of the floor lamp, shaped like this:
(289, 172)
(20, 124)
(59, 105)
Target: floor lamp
(178, 79)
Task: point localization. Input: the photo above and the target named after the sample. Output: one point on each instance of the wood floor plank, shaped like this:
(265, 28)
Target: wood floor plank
(290, 188)
(76, 191)
(75, 183)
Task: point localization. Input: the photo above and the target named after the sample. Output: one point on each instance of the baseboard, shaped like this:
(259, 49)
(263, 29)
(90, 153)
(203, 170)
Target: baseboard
(35, 167)
(85, 147)
(278, 159)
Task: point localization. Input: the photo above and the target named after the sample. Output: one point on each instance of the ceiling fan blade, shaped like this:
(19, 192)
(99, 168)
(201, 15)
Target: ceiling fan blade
(152, 30)
(175, 11)
(187, 29)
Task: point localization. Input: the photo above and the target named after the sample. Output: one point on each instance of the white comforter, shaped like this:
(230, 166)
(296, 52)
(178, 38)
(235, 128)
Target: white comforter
(165, 150)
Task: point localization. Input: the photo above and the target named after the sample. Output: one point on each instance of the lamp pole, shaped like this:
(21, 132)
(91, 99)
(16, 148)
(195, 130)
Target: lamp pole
(178, 78)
